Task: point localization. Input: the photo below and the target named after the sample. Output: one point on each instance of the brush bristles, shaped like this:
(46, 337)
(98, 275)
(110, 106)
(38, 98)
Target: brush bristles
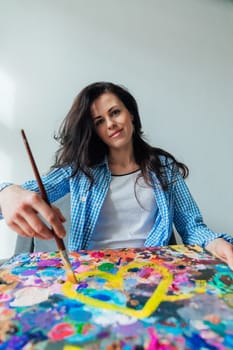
(67, 265)
(71, 277)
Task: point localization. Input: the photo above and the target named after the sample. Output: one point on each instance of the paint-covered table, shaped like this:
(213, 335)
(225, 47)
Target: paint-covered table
(166, 298)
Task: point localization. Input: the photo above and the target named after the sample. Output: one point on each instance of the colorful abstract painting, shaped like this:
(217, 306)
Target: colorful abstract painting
(165, 298)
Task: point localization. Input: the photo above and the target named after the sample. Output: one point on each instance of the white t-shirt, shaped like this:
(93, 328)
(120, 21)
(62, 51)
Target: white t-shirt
(127, 215)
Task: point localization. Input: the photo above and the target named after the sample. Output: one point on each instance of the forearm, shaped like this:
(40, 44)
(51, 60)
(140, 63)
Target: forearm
(189, 221)
(201, 235)
(3, 188)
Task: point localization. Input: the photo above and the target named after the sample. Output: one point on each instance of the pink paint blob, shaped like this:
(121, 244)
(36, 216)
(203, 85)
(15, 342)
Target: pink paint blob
(97, 255)
(61, 331)
(154, 341)
(5, 297)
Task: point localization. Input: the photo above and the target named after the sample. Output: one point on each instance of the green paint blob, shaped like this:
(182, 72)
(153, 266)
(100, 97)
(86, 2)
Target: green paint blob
(106, 267)
(79, 328)
(217, 328)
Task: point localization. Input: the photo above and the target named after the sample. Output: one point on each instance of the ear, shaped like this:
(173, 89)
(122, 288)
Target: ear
(132, 117)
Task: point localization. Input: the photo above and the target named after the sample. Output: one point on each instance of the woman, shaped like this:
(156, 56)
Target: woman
(124, 192)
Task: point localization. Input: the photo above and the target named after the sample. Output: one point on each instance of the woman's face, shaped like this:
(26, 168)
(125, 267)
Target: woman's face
(112, 121)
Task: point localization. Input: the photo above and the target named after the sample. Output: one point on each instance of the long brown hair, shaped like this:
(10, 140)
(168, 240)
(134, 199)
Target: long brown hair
(81, 148)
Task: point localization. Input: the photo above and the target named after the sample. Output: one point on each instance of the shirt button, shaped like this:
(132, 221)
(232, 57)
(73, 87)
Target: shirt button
(83, 199)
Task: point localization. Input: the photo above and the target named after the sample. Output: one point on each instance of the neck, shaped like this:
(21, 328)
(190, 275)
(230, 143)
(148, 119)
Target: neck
(122, 162)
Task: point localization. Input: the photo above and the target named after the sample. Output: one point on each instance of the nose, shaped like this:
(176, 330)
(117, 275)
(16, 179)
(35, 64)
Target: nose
(110, 123)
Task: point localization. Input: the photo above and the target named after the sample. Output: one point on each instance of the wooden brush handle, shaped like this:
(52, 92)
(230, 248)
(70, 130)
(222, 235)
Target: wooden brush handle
(43, 193)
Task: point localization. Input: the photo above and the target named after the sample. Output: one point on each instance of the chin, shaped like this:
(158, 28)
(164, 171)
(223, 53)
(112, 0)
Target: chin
(119, 144)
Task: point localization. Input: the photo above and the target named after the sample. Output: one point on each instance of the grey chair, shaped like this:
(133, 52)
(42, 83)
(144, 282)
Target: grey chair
(175, 238)
(2, 261)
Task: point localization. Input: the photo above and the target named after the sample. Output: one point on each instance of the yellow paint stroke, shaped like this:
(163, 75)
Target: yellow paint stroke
(71, 347)
(178, 297)
(117, 281)
(185, 249)
(200, 286)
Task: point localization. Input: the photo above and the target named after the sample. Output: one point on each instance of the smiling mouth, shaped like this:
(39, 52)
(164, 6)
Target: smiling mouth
(116, 133)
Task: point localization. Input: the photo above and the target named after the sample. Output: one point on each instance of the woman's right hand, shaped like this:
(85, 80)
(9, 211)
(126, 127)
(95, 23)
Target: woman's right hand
(22, 209)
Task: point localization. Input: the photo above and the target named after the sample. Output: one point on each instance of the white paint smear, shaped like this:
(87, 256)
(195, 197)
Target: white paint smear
(30, 296)
(110, 318)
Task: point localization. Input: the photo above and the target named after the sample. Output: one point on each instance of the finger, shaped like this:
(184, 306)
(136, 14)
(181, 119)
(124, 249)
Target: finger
(229, 257)
(59, 213)
(31, 231)
(27, 232)
(230, 264)
(50, 216)
(20, 226)
(32, 222)
(16, 228)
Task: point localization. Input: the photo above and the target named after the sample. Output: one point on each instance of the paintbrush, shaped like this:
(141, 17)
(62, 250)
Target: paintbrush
(60, 243)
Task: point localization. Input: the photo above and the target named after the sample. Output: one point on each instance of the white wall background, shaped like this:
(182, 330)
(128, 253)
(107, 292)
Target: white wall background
(175, 56)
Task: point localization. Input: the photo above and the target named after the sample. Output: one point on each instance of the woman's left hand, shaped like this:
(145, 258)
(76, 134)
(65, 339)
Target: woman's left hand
(222, 249)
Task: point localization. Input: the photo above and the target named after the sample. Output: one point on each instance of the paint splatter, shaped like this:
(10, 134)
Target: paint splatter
(167, 298)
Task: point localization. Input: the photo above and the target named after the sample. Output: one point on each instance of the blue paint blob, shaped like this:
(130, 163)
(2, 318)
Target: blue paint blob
(134, 269)
(38, 335)
(17, 342)
(23, 270)
(50, 272)
(165, 329)
(119, 262)
(127, 347)
(104, 334)
(70, 304)
(102, 297)
(81, 286)
(195, 342)
(222, 268)
(228, 340)
(22, 258)
(79, 315)
(130, 283)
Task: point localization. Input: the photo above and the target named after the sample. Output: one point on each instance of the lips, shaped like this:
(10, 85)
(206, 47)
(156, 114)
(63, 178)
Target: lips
(115, 133)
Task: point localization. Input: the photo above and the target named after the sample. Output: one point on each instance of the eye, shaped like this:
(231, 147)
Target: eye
(115, 112)
(98, 122)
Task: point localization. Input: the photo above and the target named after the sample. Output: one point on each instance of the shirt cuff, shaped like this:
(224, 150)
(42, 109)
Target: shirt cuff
(225, 236)
(2, 186)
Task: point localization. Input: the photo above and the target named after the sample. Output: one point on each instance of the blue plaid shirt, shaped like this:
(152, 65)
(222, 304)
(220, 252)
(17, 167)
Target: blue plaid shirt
(175, 206)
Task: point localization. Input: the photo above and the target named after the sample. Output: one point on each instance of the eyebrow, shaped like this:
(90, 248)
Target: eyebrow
(110, 109)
